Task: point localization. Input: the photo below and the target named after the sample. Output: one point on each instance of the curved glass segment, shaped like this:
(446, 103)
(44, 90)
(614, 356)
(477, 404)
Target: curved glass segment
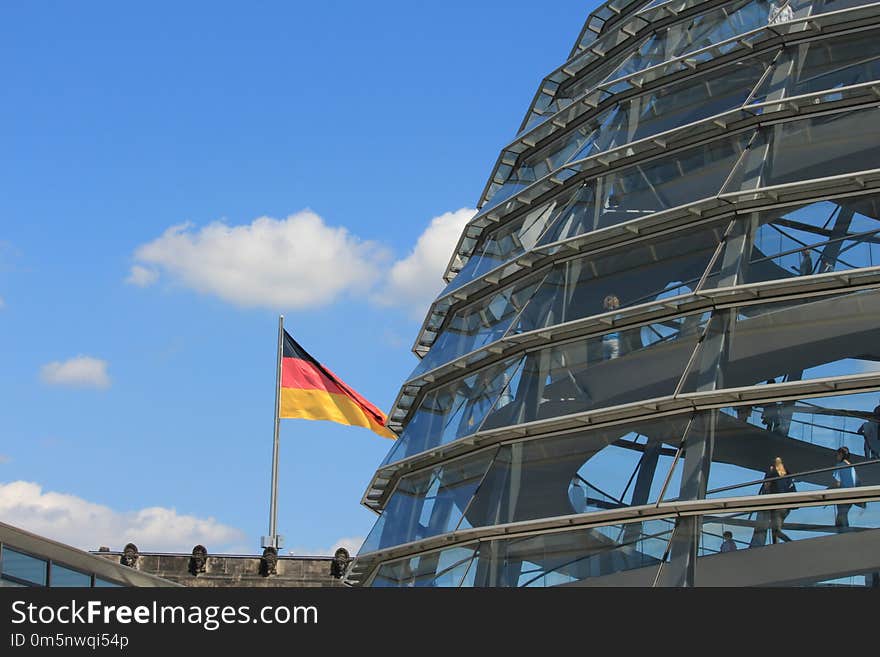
(643, 189)
(532, 480)
(446, 568)
(799, 69)
(810, 148)
(817, 238)
(687, 101)
(478, 324)
(602, 557)
(577, 288)
(695, 33)
(433, 502)
(837, 61)
(702, 31)
(606, 370)
(454, 410)
(705, 31)
(789, 341)
(816, 147)
(634, 464)
(509, 241)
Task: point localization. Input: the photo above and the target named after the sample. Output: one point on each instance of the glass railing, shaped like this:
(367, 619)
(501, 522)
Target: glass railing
(566, 557)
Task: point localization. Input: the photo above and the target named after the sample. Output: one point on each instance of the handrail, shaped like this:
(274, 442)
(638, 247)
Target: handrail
(595, 519)
(792, 476)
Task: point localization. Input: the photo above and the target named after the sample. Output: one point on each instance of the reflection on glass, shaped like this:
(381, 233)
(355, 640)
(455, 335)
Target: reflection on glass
(564, 557)
(643, 189)
(670, 107)
(66, 577)
(828, 63)
(429, 503)
(789, 341)
(753, 530)
(616, 368)
(506, 242)
(700, 31)
(816, 147)
(537, 165)
(446, 568)
(454, 410)
(817, 238)
(478, 324)
(23, 566)
(575, 289)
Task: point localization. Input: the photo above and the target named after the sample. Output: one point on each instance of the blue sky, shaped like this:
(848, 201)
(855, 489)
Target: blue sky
(341, 145)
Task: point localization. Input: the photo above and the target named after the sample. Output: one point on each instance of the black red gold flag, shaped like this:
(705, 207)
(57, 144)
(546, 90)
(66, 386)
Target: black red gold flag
(312, 392)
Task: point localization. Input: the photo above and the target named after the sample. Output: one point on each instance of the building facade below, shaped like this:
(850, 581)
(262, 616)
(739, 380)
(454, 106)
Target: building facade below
(201, 569)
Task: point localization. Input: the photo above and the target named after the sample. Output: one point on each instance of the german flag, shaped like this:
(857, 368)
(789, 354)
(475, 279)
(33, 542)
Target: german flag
(312, 392)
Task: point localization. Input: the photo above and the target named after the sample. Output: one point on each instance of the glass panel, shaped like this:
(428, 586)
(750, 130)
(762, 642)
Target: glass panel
(646, 271)
(579, 376)
(505, 243)
(828, 63)
(564, 557)
(643, 189)
(671, 107)
(65, 577)
(699, 32)
(441, 569)
(550, 158)
(767, 527)
(810, 148)
(454, 410)
(687, 36)
(429, 503)
(588, 471)
(805, 435)
(679, 104)
(694, 33)
(478, 324)
(571, 89)
(23, 566)
(790, 341)
(578, 288)
(812, 239)
(103, 583)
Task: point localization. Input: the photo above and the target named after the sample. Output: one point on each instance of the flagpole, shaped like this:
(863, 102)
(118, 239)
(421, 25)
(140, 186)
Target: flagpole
(273, 538)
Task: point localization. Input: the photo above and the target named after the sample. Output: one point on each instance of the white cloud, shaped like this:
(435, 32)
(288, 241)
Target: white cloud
(293, 263)
(414, 281)
(79, 372)
(4, 459)
(141, 276)
(350, 543)
(87, 525)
